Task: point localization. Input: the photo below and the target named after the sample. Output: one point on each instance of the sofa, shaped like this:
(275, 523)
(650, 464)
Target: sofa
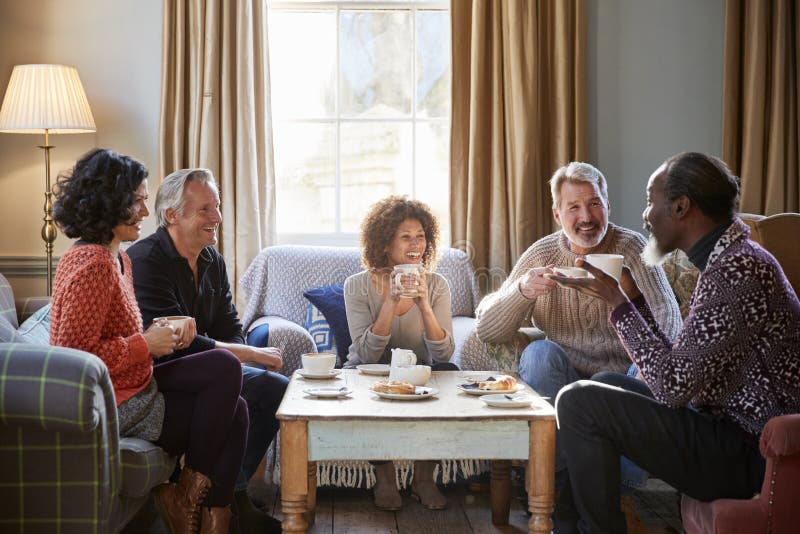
(63, 467)
(275, 283)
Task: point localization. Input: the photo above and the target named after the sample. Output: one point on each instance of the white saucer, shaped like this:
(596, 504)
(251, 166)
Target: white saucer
(308, 374)
(503, 401)
(328, 392)
(421, 392)
(380, 369)
(477, 391)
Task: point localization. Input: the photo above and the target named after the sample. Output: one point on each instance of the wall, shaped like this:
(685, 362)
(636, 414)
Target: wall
(654, 85)
(655, 89)
(116, 47)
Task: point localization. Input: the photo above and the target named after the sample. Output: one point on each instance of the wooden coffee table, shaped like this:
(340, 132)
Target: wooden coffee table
(450, 425)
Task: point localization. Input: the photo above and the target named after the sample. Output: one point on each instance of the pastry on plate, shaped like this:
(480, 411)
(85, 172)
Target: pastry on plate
(394, 386)
(500, 382)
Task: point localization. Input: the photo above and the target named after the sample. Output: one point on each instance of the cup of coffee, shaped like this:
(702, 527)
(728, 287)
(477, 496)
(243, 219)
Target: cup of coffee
(609, 263)
(405, 277)
(417, 375)
(177, 322)
(318, 363)
(403, 357)
(572, 272)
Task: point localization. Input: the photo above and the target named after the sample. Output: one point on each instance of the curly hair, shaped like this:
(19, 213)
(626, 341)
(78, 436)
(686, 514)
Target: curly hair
(381, 223)
(97, 195)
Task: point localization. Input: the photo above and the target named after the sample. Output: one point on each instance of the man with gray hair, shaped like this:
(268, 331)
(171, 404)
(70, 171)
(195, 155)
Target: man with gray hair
(580, 342)
(177, 271)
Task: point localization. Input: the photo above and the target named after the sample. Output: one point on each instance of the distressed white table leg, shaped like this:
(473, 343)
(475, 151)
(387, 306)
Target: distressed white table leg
(294, 474)
(541, 463)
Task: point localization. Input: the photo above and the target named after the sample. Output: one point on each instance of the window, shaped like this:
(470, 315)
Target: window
(361, 110)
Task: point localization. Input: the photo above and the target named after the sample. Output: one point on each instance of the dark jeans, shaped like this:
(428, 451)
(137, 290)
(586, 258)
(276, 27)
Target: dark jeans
(205, 417)
(263, 390)
(704, 456)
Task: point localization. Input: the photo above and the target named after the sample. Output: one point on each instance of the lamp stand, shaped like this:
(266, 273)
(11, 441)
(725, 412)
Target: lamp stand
(49, 231)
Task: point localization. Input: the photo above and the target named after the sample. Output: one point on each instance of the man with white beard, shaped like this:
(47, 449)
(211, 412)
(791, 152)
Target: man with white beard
(732, 367)
(580, 341)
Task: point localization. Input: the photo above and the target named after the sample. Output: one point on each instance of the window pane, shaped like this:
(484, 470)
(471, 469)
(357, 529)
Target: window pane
(303, 63)
(305, 167)
(376, 162)
(376, 62)
(433, 64)
(433, 171)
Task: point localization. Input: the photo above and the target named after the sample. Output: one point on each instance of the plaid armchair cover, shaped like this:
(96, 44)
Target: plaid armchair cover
(63, 467)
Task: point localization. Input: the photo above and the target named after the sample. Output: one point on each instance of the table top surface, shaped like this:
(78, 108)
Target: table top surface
(450, 403)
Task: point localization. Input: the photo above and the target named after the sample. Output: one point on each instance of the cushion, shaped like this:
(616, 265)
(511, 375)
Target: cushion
(330, 301)
(320, 330)
(36, 328)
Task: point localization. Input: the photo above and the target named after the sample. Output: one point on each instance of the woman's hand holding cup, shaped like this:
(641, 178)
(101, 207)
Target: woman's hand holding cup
(405, 280)
(161, 338)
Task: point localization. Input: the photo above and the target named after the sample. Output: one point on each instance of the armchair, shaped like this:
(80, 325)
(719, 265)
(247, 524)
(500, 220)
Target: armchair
(63, 467)
(775, 508)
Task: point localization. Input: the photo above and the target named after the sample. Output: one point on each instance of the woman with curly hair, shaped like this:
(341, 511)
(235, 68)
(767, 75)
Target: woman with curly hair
(190, 405)
(399, 231)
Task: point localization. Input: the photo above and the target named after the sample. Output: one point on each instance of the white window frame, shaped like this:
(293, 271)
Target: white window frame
(339, 238)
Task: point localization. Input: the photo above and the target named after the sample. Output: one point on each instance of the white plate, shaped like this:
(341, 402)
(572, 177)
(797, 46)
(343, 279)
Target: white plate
(331, 391)
(380, 369)
(501, 401)
(308, 374)
(422, 392)
(476, 391)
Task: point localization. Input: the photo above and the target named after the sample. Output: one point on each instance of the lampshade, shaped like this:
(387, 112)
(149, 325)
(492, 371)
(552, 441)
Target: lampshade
(43, 97)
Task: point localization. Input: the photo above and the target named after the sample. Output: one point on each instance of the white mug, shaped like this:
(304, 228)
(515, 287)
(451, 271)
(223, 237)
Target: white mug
(406, 269)
(403, 357)
(177, 322)
(608, 263)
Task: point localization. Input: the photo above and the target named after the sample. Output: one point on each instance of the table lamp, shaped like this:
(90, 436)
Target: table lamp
(46, 99)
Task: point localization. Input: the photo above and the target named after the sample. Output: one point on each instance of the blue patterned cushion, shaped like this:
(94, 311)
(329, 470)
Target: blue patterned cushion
(330, 301)
(320, 330)
(36, 328)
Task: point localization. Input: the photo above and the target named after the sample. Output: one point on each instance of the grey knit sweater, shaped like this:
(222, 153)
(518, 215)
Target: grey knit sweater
(576, 322)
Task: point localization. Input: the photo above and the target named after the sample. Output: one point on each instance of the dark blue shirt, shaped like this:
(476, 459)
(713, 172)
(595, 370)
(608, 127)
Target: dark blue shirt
(165, 285)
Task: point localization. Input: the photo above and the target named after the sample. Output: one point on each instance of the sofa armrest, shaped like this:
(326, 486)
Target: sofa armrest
(781, 436)
(291, 338)
(52, 388)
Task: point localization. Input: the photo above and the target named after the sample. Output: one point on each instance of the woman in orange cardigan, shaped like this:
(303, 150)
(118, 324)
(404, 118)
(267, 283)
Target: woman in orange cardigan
(190, 405)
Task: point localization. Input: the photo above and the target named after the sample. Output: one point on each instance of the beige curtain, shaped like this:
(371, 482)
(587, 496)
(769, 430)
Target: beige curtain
(215, 113)
(518, 113)
(760, 120)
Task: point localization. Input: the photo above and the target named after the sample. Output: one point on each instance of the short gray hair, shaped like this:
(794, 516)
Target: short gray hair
(577, 171)
(170, 194)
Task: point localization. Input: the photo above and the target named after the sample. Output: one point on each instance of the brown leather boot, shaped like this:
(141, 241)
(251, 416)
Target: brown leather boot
(424, 489)
(385, 493)
(179, 504)
(215, 520)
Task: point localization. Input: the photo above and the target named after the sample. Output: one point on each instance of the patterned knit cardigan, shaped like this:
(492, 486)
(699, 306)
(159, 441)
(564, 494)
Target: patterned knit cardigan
(94, 309)
(738, 353)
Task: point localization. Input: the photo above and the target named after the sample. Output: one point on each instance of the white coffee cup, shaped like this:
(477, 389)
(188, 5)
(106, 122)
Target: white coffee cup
(318, 362)
(417, 375)
(403, 357)
(608, 263)
(572, 272)
(175, 321)
(407, 290)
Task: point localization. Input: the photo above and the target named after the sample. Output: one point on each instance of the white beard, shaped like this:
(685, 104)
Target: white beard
(653, 255)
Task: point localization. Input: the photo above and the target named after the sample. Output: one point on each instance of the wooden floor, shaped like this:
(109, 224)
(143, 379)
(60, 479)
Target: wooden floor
(350, 511)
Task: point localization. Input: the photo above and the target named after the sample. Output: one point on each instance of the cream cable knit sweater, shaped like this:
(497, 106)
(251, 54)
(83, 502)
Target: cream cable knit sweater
(576, 322)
